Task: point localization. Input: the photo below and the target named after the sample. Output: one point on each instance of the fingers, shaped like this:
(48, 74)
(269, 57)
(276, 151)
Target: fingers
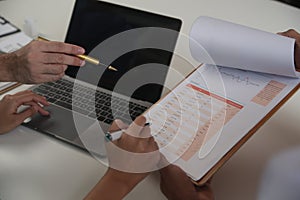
(290, 33)
(47, 57)
(117, 125)
(38, 107)
(48, 77)
(130, 153)
(138, 122)
(62, 54)
(172, 169)
(60, 47)
(205, 192)
(153, 146)
(60, 58)
(39, 60)
(29, 97)
(53, 69)
(26, 98)
(294, 34)
(47, 52)
(10, 107)
(181, 187)
(136, 127)
(145, 132)
(20, 117)
(135, 138)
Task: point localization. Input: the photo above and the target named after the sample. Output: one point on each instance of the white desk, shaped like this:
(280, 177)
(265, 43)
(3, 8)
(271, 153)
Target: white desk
(34, 166)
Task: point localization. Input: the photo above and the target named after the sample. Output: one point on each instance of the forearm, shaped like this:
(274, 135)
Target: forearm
(110, 187)
(116, 184)
(7, 61)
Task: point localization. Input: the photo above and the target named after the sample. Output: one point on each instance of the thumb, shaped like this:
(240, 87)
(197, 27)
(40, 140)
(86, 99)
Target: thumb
(136, 127)
(20, 117)
(289, 33)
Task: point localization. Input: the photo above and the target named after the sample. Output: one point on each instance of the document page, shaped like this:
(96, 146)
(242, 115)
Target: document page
(4, 85)
(14, 42)
(208, 113)
(6, 28)
(242, 47)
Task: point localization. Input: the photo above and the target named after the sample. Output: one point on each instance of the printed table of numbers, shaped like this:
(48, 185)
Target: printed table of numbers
(187, 118)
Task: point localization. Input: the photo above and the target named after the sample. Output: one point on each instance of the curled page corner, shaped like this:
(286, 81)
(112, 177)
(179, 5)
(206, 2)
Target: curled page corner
(237, 46)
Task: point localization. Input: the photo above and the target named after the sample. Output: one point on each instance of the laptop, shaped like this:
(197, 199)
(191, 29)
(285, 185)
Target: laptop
(139, 44)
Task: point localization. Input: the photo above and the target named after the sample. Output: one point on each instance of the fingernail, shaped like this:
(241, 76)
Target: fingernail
(80, 50)
(82, 63)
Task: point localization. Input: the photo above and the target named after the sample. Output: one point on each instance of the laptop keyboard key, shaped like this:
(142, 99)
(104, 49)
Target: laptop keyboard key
(82, 111)
(108, 121)
(92, 115)
(101, 118)
(63, 104)
(51, 100)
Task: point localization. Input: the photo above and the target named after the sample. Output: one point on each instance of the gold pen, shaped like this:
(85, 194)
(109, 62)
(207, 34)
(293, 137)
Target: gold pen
(85, 57)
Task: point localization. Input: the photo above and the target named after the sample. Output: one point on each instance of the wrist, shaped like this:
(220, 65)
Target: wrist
(6, 64)
(125, 180)
(114, 185)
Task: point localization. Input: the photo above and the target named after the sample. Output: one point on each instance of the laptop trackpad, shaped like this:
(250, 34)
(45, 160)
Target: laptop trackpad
(61, 122)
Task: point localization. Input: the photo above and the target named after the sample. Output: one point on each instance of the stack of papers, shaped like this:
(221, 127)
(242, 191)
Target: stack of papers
(4, 85)
(7, 28)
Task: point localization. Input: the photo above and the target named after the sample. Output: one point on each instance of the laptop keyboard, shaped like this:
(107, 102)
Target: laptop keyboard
(84, 100)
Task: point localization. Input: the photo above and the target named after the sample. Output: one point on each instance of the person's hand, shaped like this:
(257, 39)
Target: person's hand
(131, 158)
(294, 34)
(136, 152)
(176, 185)
(40, 61)
(10, 118)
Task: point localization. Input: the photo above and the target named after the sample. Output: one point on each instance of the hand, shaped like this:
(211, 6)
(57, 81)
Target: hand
(294, 34)
(9, 118)
(124, 161)
(135, 147)
(40, 61)
(176, 185)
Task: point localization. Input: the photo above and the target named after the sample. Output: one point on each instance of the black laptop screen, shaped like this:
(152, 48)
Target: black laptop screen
(93, 22)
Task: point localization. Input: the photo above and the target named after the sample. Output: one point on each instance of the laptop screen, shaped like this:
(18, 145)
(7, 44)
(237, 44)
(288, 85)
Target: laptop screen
(94, 22)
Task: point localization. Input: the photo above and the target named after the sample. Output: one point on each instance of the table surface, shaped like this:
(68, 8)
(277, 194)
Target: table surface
(35, 166)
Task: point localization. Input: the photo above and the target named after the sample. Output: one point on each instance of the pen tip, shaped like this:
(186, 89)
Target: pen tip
(112, 68)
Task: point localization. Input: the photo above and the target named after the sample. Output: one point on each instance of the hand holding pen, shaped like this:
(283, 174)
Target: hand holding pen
(40, 61)
(89, 59)
(135, 140)
(123, 159)
(112, 136)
